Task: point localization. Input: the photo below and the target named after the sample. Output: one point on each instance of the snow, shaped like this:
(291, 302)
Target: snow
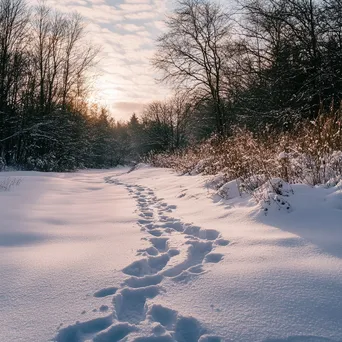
(153, 256)
(229, 190)
(62, 238)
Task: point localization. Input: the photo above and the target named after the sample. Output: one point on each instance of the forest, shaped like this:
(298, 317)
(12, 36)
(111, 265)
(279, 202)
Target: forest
(266, 72)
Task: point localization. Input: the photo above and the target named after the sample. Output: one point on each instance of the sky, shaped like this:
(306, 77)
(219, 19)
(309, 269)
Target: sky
(126, 31)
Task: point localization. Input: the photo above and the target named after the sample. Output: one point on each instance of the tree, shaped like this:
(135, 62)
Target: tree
(44, 64)
(284, 41)
(13, 34)
(190, 53)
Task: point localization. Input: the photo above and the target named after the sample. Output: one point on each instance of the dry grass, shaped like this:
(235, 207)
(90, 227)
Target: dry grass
(311, 153)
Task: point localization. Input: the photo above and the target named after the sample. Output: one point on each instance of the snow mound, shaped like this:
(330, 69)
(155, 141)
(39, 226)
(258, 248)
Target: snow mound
(216, 182)
(229, 190)
(335, 199)
(134, 262)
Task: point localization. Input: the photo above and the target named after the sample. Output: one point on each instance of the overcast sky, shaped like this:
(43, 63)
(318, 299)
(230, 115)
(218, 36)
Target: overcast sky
(126, 31)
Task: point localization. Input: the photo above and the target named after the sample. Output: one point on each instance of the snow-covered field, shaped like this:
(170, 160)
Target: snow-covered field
(153, 256)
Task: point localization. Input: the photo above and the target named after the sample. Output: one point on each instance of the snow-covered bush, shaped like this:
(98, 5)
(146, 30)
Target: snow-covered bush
(310, 153)
(217, 181)
(229, 190)
(274, 193)
(50, 163)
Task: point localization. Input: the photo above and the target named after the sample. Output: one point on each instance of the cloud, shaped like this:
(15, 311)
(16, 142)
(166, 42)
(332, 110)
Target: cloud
(136, 7)
(126, 31)
(130, 27)
(127, 107)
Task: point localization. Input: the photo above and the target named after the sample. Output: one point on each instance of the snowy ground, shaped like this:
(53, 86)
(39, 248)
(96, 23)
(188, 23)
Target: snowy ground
(153, 256)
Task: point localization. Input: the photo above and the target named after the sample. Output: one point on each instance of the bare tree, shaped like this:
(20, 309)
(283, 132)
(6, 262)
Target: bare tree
(190, 53)
(285, 38)
(165, 123)
(180, 109)
(44, 67)
(78, 58)
(13, 27)
(63, 57)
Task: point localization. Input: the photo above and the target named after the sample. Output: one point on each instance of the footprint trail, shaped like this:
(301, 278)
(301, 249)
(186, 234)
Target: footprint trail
(178, 251)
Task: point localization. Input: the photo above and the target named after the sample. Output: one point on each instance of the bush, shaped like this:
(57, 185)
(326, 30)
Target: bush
(311, 153)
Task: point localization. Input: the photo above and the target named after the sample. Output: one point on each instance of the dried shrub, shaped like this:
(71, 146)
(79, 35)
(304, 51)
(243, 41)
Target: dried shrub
(311, 153)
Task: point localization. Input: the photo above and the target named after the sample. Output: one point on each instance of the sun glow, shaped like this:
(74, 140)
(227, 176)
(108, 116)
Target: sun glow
(103, 92)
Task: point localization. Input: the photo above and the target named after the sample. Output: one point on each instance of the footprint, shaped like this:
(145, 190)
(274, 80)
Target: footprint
(143, 222)
(188, 329)
(147, 266)
(149, 251)
(199, 248)
(105, 292)
(198, 269)
(176, 225)
(222, 242)
(138, 268)
(146, 214)
(162, 315)
(195, 256)
(169, 230)
(135, 282)
(172, 207)
(160, 244)
(74, 333)
(213, 257)
(192, 230)
(173, 252)
(155, 232)
(158, 262)
(130, 303)
(115, 333)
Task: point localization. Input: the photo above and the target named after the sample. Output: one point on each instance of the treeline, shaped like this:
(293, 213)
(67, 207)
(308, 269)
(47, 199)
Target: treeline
(45, 65)
(260, 90)
(266, 66)
(264, 63)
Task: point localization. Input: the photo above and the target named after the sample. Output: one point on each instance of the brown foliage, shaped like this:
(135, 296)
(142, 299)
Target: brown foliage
(311, 153)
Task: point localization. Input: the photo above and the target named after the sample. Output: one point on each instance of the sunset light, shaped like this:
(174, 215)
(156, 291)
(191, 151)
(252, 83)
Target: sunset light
(170, 170)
